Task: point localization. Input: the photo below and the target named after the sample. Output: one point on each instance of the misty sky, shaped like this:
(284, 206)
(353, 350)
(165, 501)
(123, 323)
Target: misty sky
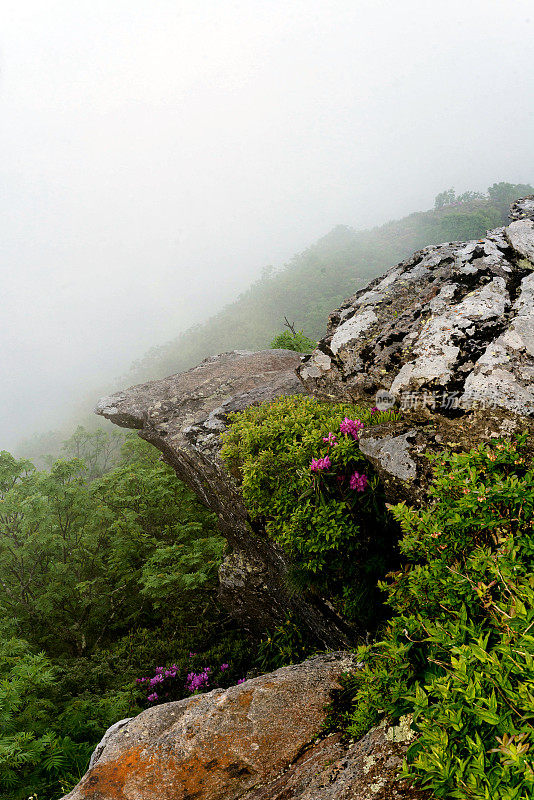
(156, 155)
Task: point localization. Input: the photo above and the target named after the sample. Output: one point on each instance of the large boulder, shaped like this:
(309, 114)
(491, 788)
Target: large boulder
(219, 745)
(260, 740)
(447, 335)
(183, 416)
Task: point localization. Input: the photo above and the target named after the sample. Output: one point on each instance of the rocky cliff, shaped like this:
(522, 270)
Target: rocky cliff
(449, 336)
(183, 417)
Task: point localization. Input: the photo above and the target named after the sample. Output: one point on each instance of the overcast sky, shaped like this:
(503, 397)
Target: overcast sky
(156, 155)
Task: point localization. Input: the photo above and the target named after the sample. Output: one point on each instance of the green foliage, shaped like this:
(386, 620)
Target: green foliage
(445, 198)
(99, 450)
(287, 340)
(502, 194)
(459, 652)
(102, 580)
(335, 535)
(32, 755)
(285, 644)
(499, 194)
(77, 559)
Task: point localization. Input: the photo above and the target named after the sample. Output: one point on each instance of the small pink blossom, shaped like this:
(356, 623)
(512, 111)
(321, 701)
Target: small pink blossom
(358, 482)
(351, 427)
(320, 464)
(330, 440)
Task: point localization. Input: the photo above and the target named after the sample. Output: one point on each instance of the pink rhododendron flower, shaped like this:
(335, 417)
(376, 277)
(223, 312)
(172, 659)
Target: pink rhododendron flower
(198, 680)
(320, 464)
(351, 427)
(358, 482)
(330, 440)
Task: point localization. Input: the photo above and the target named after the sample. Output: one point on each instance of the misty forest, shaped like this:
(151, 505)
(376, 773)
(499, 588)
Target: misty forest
(290, 555)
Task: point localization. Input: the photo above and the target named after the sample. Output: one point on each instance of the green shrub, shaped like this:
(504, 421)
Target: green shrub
(110, 578)
(293, 341)
(459, 652)
(303, 488)
(286, 644)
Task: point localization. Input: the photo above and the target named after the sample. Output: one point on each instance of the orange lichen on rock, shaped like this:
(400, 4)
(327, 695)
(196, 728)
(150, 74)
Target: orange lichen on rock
(219, 745)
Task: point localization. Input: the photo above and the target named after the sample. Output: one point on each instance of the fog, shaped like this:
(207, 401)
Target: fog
(155, 156)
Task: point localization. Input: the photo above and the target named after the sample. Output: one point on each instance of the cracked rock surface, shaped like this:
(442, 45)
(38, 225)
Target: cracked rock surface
(183, 416)
(216, 745)
(456, 318)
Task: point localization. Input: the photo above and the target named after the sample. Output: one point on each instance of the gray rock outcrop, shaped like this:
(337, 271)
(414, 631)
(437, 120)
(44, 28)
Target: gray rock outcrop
(183, 416)
(448, 335)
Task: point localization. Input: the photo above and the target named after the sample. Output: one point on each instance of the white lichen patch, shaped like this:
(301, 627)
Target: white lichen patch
(352, 329)
(498, 387)
(377, 785)
(401, 733)
(377, 294)
(316, 366)
(368, 763)
(434, 351)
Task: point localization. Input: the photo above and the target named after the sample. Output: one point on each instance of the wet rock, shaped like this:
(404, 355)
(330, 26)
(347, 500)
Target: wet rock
(219, 745)
(399, 450)
(183, 416)
(520, 234)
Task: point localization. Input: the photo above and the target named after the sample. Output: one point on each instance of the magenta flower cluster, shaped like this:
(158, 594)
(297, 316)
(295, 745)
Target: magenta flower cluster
(161, 675)
(349, 427)
(320, 464)
(331, 439)
(194, 681)
(358, 482)
(198, 680)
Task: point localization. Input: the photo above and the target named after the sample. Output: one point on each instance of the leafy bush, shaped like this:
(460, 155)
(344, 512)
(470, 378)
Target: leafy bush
(303, 476)
(293, 341)
(459, 652)
(285, 644)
